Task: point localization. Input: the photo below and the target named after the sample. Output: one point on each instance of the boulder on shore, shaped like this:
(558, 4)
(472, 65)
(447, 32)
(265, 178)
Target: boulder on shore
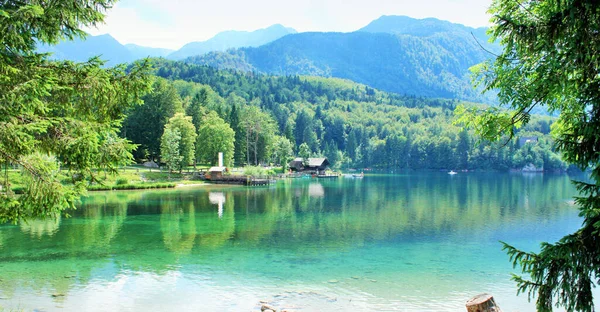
(150, 164)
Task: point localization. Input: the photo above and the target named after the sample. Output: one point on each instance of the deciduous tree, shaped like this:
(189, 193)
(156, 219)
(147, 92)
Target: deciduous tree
(184, 126)
(215, 136)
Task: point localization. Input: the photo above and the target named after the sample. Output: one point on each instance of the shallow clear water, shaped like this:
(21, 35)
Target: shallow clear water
(413, 242)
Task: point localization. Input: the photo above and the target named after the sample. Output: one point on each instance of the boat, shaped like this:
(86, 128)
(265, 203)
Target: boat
(452, 172)
(361, 175)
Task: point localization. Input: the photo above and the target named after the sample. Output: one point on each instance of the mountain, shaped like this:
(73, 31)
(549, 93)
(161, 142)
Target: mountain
(139, 52)
(233, 39)
(105, 46)
(427, 27)
(398, 54)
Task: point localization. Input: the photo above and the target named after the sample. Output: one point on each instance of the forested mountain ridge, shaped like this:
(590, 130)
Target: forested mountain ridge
(113, 52)
(232, 39)
(351, 124)
(427, 27)
(395, 54)
(139, 52)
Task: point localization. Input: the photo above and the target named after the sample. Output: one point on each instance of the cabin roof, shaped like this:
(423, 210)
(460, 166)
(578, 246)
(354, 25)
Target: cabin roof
(217, 169)
(318, 162)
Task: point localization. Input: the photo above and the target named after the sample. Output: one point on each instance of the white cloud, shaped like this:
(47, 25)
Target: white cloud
(171, 24)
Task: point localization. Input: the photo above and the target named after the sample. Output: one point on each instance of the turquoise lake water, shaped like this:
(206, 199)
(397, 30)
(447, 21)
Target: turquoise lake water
(406, 242)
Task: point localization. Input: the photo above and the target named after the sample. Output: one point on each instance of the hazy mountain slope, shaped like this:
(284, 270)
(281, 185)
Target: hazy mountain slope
(233, 39)
(397, 54)
(138, 51)
(79, 50)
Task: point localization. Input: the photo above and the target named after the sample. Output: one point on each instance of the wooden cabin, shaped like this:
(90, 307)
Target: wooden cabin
(297, 165)
(312, 165)
(216, 172)
(317, 165)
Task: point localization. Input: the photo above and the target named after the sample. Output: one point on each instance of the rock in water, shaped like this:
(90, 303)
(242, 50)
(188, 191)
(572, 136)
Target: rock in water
(482, 303)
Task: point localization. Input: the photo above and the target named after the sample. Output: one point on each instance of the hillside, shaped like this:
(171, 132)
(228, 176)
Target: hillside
(105, 46)
(396, 54)
(232, 39)
(110, 50)
(139, 52)
(351, 124)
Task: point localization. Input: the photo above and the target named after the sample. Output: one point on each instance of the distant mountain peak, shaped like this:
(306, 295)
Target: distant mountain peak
(233, 39)
(423, 57)
(405, 25)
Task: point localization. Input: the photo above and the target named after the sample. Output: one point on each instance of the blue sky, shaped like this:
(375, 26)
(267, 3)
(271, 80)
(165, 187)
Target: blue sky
(171, 24)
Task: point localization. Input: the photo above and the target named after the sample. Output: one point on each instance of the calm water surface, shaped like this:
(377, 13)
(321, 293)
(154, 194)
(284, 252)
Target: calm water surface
(413, 242)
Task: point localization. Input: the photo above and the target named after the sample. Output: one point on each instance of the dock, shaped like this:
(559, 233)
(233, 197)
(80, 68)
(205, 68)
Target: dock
(241, 180)
(328, 176)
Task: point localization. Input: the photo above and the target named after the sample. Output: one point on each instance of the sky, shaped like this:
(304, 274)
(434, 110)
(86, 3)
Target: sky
(171, 24)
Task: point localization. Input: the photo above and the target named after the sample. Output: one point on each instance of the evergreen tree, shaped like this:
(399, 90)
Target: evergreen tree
(551, 57)
(145, 123)
(51, 110)
(197, 107)
(239, 147)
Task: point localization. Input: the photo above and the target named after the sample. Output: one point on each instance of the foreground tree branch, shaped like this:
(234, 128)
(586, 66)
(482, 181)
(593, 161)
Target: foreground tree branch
(58, 112)
(551, 57)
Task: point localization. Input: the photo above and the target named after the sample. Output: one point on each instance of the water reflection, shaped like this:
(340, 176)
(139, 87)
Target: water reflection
(283, 232)
(38, 227)
(217, 198)
(316, 190)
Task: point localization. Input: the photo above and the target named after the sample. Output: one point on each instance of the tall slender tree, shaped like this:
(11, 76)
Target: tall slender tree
(187, 138)
(259, 129)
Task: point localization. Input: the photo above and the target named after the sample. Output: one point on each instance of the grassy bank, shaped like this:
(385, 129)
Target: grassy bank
(128, 178)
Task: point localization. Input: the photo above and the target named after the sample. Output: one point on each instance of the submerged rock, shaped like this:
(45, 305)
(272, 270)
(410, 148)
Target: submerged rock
(267, 308)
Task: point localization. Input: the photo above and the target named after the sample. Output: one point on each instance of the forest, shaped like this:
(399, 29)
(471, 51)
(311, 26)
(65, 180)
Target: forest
(258, 119)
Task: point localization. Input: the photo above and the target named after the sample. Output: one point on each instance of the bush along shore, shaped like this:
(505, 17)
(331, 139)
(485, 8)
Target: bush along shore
(127, 178)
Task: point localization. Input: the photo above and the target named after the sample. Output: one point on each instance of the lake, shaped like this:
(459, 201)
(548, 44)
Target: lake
(404, 242)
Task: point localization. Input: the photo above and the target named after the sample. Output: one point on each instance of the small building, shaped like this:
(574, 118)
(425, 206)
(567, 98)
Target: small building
(529, 139)
(216, 172)
(297, 164)
(312, 165)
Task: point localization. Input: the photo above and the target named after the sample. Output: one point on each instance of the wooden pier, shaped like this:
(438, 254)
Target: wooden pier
(241, 180)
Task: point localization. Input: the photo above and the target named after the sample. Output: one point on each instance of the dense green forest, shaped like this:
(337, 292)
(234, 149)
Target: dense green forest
(273, 118)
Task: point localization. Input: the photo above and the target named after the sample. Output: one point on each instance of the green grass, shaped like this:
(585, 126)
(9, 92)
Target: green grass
(138, 186)
(135, 177)
(162, 176)
(127, 178)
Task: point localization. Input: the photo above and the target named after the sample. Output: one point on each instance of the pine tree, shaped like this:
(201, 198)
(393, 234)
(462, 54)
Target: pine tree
(551, 57)
(58, 110)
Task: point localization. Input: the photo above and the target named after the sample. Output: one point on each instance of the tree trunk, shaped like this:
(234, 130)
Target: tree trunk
(256, 151)
(482, 303)
(247, 149)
